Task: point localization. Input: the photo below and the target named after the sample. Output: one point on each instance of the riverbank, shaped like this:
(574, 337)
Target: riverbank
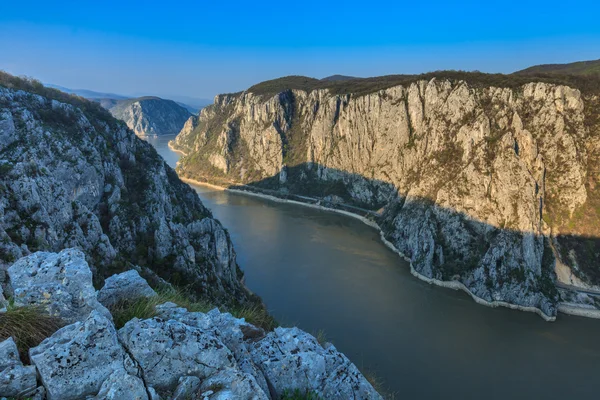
(455, 285)
(446, 284)
(176, 150)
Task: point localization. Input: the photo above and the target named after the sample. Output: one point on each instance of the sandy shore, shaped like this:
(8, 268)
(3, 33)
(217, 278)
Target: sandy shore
(564, 308)
(176, 150)
(206, 184)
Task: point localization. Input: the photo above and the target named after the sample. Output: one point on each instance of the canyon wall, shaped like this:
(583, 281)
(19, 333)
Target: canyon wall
(482, 185)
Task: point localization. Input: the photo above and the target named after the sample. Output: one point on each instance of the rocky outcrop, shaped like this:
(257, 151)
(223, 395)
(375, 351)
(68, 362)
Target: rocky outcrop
(480, 185)
(128, 286)
(151, 116)
(15, 378)
(176, 355)
(60, 283)
(73, 176)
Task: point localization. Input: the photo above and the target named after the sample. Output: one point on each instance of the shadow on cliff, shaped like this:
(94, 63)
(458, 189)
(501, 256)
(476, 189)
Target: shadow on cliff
(458, 243)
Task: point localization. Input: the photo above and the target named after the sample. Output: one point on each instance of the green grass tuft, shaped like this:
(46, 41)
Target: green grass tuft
(28, 326)
(255, 315)
(145, 308)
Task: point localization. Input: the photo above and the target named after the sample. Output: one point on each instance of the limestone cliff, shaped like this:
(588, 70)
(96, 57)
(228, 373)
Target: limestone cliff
(477, 183)
(150, 116)
(73, 176)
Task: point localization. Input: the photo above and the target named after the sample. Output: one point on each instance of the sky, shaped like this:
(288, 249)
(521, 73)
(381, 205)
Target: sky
(202, 48)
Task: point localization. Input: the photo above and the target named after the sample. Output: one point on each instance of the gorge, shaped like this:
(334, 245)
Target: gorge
(484, 181)
(325, 271)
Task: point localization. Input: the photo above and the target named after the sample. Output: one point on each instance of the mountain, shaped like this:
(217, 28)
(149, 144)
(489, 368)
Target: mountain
(484, 182)
(151, 116)
(71, 175)
(576, 68)
(83, 199)
(335, 78)
(192, 104)
(88, 94)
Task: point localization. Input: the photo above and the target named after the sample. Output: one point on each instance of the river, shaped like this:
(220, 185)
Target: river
(324, 271)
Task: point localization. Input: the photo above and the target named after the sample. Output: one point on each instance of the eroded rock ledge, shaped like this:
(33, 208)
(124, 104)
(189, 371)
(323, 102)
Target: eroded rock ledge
(175, 355)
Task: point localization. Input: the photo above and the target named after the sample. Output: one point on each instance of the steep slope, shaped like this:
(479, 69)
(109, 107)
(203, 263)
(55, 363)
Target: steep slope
(576, 68)
(484, 180)
(151, 116)
(73, 176)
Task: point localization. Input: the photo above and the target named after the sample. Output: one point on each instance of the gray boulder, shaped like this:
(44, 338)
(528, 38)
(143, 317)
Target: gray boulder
(77, 359)
(235, 333)
(15, 379)
(122, 386)
(292, 359)
(168, 350)
(61, 283)
(188, 386)
(125, 286)
(232, 384)
(3, 302)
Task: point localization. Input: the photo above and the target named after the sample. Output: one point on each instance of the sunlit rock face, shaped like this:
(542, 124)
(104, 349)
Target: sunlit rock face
(73, 176)
(479, 184)
(151, 116)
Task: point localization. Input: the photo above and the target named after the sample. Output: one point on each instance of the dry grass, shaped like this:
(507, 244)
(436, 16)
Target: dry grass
(145, 308)
(28, 326)
(256, 315)
(321, 337)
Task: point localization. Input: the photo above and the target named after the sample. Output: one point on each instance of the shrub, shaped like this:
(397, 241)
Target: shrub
(28, 326)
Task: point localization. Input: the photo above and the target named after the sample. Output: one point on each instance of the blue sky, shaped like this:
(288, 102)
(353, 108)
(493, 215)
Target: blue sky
(201, 48)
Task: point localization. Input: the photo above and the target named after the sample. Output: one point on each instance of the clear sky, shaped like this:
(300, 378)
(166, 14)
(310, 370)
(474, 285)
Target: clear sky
(201, 48)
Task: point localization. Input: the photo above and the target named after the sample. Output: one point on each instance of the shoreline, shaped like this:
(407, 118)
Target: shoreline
(455, 285)
(565, 308)
(183, 153)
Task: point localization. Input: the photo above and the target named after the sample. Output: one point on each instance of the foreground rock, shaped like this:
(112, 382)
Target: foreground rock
(15, 379)
(178, 355)
(60, 283)
(480, 184)
(77, 359)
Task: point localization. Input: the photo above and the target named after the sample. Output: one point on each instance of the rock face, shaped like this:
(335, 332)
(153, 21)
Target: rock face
(15, 379)
(128, 286)
(482, 185)
(61, 283)
(77, 359)
(177, 355)
(151, 116)
(73, 176)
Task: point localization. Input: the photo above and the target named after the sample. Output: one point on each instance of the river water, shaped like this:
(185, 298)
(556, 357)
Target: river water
(324, 271)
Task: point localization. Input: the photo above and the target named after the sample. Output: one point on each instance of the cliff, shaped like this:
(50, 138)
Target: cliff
(150, 116)
(484, 181)
(73, 176)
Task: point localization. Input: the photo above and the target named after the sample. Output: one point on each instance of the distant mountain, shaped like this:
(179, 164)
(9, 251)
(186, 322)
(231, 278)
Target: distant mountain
(149, 116)
(335, 78)
(88, 94)
(192, 109)
(576, 68)
(192, 104)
